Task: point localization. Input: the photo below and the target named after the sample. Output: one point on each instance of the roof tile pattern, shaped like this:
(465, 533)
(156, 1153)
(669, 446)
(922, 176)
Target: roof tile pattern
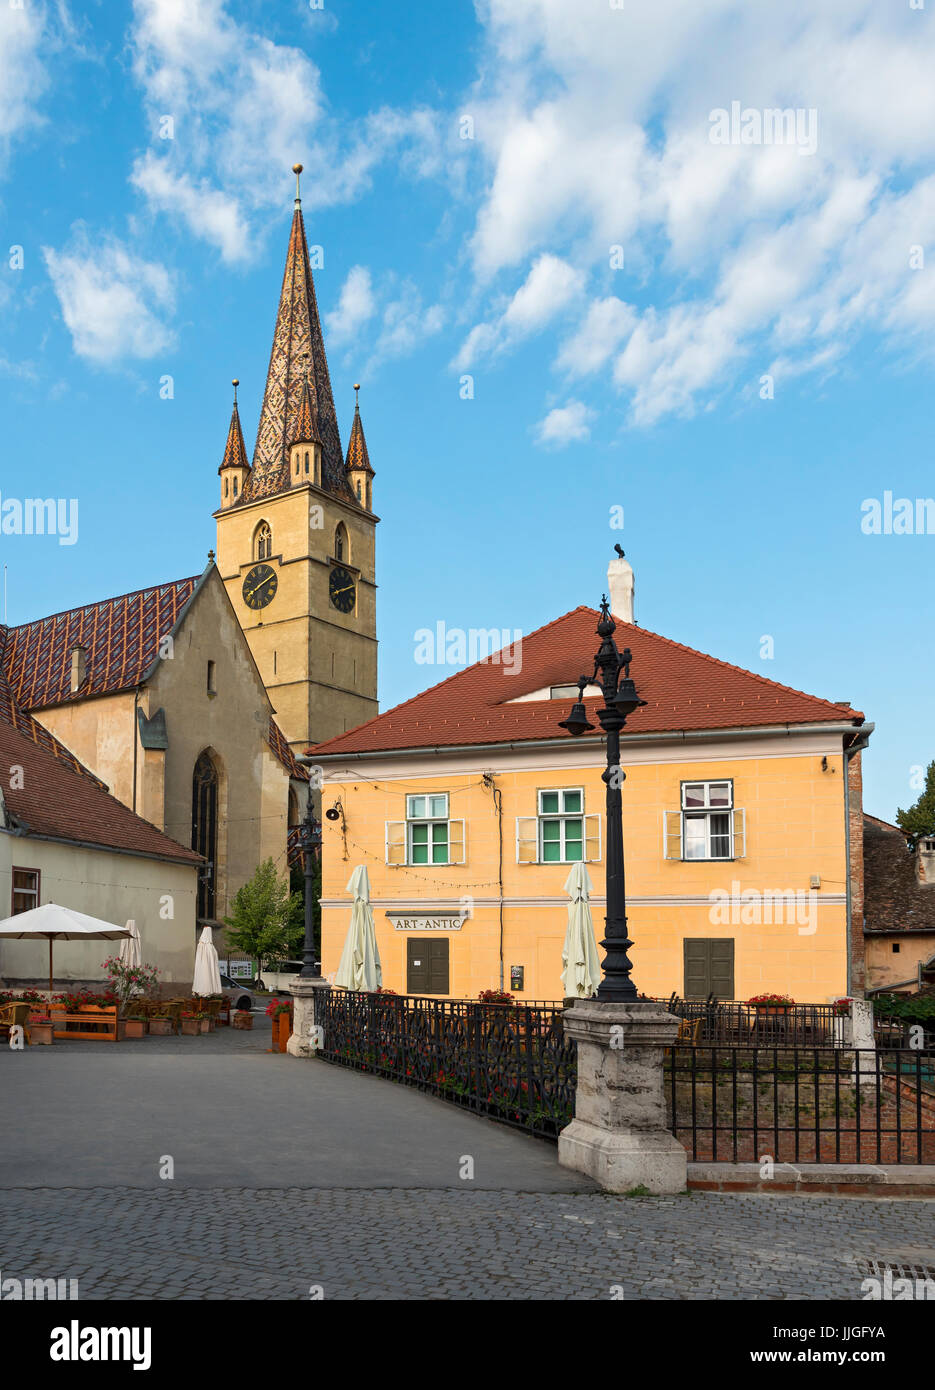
(281, 749)
(16, 718)
(894, 899)
(235, 453)
(120, 637)
(298, 350)
(684, 690)
(307, 430)
(357, 455)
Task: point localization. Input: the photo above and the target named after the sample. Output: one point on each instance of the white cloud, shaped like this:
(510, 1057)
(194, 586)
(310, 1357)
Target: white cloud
(245, 109)
(547, 290)
(23, 77)
(356, 305)
(113, 302)
(593, 131)
(567, 424)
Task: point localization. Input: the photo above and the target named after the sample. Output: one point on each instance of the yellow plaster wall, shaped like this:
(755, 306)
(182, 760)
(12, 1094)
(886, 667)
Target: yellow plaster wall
(794, 829)
(884, 967)
(100, 733)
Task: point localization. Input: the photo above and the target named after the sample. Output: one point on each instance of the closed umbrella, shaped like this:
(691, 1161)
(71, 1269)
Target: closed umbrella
(207, 971)
(58, 923)
(581, 971)
(360, 967)
(131, 952)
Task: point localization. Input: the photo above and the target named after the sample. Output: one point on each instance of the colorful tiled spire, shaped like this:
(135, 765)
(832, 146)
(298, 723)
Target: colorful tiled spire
(307, 429)
(297, 338)
(357, 456)
(235, 455)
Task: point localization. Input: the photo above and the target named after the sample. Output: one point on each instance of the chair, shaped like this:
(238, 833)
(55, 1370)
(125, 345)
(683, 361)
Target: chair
(13, 1014)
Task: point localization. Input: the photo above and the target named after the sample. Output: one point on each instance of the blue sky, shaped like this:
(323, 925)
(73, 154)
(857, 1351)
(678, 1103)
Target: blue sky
(595, 385)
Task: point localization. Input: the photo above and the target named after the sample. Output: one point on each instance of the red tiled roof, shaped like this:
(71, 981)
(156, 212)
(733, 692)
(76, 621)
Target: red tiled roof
(684, 690)
(57, 801)
(357, 455)
(11, 714)
(281, 749)
(120, 637)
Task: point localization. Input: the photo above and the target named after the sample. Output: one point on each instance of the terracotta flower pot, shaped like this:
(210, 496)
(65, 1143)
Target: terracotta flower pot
(243, 1020)
(135, 1027)
(285, 1031)
(160, 1027)
(204, 1025)
(40, 1033)
(190, 1027)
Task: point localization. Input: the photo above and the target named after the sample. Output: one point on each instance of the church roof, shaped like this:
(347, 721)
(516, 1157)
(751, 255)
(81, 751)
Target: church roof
(59, 798)
(235, 454)
(121, 640)
(684, 690)
(298, 352)
(357, 456)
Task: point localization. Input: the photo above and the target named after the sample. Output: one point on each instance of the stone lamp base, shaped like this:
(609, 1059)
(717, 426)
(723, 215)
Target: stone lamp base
(619, 1135)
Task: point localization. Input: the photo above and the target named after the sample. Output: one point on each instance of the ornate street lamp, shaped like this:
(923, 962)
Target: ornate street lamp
(310, 840)
(612, 674)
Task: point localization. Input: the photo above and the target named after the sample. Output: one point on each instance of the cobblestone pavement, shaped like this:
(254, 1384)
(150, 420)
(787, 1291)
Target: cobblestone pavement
(296, 1177)
(386, 1244)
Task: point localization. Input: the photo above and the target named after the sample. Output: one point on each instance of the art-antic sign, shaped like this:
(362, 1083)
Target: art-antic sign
(444, 922)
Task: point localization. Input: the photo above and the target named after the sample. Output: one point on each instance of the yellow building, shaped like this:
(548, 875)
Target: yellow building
(468, 804)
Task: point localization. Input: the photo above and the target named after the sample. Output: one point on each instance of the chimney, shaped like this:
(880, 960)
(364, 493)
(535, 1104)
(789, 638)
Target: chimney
(621, 585)
(79, 668)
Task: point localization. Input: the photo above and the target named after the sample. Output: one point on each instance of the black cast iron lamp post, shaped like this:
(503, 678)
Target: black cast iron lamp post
(310, 840)
(612, 674)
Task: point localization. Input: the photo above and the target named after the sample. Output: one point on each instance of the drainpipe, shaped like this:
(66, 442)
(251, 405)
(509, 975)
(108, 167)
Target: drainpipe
(136, 737)
(861, 741)
(498, 803)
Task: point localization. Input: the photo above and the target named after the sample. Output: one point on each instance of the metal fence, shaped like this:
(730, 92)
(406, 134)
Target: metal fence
(802, 1105)
(744, 1025)
(510, 1062)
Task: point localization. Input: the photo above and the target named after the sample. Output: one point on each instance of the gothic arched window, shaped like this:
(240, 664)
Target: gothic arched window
(262, 542)
(205, 831)
(341, 548)
(306, 460)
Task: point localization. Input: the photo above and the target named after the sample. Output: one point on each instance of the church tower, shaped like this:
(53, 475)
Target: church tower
(296, 529)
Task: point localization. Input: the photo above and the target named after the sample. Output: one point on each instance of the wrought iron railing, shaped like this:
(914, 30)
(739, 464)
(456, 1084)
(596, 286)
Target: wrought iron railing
(512, 1063)
(746, 1025)
(802, 1104)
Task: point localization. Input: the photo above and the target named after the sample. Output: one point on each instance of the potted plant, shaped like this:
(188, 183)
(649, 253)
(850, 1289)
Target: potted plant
(160, 1025)
(204, 1023)
(243, 1018)
(190, 1023)
(280, 1011)
(40, 1029)
(771, 1003)
(494, 996)
(136, 1026)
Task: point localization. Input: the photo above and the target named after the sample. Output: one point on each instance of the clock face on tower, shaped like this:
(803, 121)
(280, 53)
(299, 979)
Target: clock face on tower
(259, 586)
(341, 589)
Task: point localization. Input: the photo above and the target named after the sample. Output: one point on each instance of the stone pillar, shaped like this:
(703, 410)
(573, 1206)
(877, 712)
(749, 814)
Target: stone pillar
(859, 1034)
(619, 1135)
(306, 1015)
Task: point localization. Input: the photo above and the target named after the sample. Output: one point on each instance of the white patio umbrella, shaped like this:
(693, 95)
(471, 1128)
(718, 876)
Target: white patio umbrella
(581, 971)
(207, 971)
(360, 967)
(58, 923)
(131, 952)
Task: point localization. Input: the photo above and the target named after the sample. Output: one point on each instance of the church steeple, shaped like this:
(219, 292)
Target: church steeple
(297, 340)
(234, 468)
(359, 472)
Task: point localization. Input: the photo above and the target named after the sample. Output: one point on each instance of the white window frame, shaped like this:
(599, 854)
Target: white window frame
(529, 831)
(397, 841)
(674, 822)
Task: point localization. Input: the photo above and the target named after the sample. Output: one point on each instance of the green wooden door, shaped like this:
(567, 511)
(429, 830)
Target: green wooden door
(709, 967)
(427, 965)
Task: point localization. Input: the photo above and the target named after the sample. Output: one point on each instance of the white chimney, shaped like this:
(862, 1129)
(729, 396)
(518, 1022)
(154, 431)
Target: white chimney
(79, 668)
(621, 585)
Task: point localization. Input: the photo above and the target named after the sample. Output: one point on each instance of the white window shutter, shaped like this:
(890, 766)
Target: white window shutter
(592, 839)
(672, 834)
(527, 840)
(395, 842)
(738, 834)
(457, 842)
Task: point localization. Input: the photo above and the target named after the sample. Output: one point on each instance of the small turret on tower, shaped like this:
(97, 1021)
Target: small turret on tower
(235, 468)
(305, 449)
(359, 473)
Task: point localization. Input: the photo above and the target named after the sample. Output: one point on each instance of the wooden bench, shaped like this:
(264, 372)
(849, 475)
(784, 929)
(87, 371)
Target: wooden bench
(79, 1025)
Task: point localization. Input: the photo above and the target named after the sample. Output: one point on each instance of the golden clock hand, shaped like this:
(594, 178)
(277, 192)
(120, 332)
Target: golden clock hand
(348, 589)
